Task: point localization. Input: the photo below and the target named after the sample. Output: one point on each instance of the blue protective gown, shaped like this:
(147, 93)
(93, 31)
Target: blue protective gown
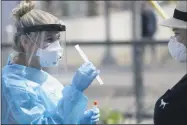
(32, 96)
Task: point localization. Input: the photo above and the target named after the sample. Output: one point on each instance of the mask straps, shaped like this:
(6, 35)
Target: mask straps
(9, 59)
(34, 47)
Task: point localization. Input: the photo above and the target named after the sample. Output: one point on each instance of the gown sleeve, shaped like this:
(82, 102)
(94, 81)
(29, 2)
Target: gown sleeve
(26, 107)
(72, 105)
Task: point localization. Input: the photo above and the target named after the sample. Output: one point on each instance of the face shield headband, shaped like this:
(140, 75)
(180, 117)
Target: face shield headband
(40, 28)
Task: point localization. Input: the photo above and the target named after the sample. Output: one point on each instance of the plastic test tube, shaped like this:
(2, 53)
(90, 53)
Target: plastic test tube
(95, 103)
(86, 60)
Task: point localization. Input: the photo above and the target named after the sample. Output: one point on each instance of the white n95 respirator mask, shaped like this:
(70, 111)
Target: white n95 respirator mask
(50, 56)
(177, 50)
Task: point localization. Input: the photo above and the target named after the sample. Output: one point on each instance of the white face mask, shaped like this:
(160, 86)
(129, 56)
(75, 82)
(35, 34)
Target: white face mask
(50, 56)
(177, 50)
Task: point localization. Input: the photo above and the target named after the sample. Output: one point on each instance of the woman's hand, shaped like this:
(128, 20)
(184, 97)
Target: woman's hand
(90, 116)
(84, 76)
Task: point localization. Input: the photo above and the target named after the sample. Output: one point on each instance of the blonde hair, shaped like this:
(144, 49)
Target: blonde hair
(26, 15)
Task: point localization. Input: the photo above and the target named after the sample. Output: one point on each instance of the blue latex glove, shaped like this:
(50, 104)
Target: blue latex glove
(84, 76)
(90, 116)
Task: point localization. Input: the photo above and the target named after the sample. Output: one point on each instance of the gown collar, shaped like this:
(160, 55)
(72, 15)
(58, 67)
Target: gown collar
(33, 74)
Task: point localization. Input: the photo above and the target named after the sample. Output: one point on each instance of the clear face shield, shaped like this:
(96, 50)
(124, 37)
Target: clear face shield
(45, 48)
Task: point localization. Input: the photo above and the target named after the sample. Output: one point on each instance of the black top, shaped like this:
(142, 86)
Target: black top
(171, 108)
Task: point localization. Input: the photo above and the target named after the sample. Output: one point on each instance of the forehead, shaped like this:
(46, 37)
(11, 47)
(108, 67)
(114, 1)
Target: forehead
(51, 33)
(47, 36)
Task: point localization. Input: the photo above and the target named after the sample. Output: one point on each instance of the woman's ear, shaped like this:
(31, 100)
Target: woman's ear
(24, 46)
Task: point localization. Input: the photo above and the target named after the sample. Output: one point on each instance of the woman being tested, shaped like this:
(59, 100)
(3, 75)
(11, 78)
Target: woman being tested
(171, 108)
(31, 95)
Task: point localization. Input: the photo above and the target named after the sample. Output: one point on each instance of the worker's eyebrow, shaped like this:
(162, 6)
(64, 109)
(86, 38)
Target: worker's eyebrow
(174, 29)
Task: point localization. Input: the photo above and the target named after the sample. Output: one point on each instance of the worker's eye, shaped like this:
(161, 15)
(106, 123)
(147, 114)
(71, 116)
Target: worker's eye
(58, 36)
(49, 40)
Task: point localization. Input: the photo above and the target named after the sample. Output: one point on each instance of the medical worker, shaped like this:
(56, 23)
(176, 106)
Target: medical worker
(171, 107)
(29, 94)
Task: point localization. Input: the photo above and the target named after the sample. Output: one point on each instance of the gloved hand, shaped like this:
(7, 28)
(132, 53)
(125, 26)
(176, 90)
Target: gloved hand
(84, 76)
(90, 116)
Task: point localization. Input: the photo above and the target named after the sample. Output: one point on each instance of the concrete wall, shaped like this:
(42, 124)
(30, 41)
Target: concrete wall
(121, 24)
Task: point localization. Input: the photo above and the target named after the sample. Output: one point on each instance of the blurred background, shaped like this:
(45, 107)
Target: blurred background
(123, 40)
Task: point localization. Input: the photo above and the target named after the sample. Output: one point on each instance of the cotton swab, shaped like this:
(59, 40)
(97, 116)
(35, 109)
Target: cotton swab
(86, 60)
